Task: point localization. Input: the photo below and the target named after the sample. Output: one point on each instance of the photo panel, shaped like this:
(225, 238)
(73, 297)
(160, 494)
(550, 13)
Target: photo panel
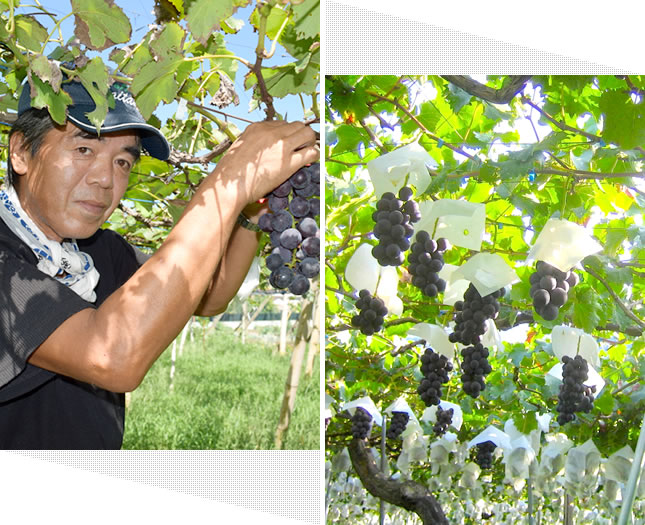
(484, 314)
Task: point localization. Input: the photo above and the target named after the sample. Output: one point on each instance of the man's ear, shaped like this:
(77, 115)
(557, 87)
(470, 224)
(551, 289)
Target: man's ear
(19, 155)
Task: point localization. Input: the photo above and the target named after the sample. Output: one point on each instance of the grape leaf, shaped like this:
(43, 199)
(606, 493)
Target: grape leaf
(307, 18)
(204, 16)
(285, 80)
(94, 77)
(30, 33)
(169, 42)
(274, 21)
(47, 71)
(100, 24)
(164, 84)
(624, 120)
(605, 403)
(525, 422)
(44, 96)
(586, 308)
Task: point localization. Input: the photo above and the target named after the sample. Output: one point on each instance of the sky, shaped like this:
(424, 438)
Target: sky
(140, 13)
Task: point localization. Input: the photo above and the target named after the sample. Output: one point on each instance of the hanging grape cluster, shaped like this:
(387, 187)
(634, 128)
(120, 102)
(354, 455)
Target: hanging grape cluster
(474, 367)
(574, 395)
(372, 312)
(397, 424)
(393, 221)
(484, 455)
(294, 231)
(361, 423)
(425, 261)
(472, 314)
(435, 368)
(550, 289)
(443, 420)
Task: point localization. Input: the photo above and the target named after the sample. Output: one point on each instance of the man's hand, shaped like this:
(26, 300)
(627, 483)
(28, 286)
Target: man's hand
(266, 155)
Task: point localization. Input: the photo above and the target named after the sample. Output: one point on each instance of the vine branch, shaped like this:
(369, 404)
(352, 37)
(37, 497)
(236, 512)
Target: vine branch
(409, 495)
(615, 297)
(425, 130)
(502, 95)
(264, 11)
(560, 125)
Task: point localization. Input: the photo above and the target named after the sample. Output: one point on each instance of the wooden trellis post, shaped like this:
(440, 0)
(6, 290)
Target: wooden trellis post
(293, 377)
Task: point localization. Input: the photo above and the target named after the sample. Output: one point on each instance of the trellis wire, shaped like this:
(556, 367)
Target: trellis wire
(628, 498)
(383, 467)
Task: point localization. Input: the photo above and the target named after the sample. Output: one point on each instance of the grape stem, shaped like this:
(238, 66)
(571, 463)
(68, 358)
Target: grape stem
(434, 230)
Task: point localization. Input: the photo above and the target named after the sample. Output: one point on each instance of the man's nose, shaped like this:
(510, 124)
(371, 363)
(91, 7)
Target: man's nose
(101, 172)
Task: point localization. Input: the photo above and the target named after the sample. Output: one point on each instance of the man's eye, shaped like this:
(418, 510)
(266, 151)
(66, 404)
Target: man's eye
(83, 150)
(124, 164)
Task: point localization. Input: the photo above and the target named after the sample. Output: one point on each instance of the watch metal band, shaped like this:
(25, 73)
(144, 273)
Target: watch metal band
(243, 221)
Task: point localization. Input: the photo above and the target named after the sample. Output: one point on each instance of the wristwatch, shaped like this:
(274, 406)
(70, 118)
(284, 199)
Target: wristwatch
(243, 221)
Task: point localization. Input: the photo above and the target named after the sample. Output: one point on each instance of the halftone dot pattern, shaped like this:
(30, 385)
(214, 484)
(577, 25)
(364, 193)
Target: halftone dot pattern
(361, 42)
(282, 483)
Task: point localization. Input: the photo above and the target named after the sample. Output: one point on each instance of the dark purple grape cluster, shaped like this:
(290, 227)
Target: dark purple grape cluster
(435, 368)
(443, 420)
(361, 423)
(550, 288)
(484, 455)
(393, 221)
(574, 395)
(425, 261)
(474, 367)
(372, 313)
(473, 312)
(294, 230)
(397, 424)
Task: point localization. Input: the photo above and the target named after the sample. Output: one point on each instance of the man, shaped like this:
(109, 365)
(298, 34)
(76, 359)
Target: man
(83, 315)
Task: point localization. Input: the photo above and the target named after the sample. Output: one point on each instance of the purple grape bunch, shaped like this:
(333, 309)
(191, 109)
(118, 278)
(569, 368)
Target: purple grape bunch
(292, 224)
(574, 395)
(484, 454)
(472, 314)
(397, 424)
(361, 423)
(474, 367)
(435, 368)
(550, 289)
(393, 221)
(425, 262)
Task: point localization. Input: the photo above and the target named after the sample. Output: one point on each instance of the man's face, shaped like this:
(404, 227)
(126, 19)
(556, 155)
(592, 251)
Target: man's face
(75, 180)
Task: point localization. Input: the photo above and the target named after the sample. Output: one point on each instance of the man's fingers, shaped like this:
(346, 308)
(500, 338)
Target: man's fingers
(302, 137)
(306, 155)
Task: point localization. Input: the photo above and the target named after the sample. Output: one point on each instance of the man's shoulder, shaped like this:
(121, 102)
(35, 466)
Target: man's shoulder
(12, 245)
(106, 242)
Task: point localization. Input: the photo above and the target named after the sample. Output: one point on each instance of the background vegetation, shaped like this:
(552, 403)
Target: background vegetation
(225, 395)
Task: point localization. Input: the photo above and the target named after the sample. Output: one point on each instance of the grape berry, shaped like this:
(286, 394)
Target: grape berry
(294, 231)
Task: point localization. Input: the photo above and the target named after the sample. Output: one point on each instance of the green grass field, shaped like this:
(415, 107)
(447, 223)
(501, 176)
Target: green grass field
(226, 396)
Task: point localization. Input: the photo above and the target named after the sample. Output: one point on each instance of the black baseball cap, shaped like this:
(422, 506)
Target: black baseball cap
(124, 115)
